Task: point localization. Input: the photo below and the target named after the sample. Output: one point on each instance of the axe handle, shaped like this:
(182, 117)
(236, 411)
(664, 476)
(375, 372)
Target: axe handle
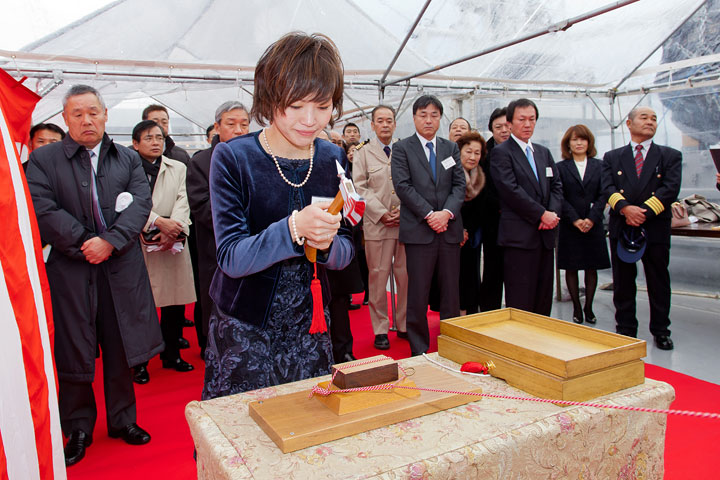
(334, 208)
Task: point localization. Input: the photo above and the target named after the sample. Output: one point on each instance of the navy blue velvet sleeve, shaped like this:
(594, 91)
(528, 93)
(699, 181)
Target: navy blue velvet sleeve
(241, 252)
(238, 252)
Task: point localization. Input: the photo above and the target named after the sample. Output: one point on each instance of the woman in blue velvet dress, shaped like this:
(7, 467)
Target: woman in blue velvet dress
(262, 189)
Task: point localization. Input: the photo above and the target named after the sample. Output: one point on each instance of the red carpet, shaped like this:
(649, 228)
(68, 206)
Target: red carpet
(161, 403)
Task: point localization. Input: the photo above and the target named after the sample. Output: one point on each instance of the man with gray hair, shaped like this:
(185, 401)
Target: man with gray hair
(231, 120)
(92, 199)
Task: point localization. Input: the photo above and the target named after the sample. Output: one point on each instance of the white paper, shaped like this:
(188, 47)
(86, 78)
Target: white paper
(449, 162)
(123, 201)
(548, 172)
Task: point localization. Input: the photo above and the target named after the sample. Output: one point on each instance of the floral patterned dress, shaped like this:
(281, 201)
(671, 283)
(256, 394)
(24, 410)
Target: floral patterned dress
(242, 357)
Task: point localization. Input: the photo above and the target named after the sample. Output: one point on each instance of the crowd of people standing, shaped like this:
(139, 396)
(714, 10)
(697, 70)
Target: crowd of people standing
(242, 229)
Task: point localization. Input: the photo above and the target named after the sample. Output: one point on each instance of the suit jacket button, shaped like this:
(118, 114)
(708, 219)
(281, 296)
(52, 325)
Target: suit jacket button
(84, 184)
(619, 172)
(659, 176)
(393, 192)
(622, 191)
(652, 193)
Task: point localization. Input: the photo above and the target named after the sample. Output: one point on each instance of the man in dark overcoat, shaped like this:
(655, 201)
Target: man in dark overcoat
(92, 199)
(641, 180)
(231, 120)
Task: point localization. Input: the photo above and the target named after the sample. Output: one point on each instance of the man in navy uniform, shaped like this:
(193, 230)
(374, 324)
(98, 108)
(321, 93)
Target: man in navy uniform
(641, 180)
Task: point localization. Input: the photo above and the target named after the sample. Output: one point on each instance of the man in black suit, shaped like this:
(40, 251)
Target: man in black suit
(231, 120)
(530, 194)
(641, 180)
(430, 183)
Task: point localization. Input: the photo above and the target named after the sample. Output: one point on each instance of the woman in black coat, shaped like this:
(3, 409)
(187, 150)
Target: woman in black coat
(472, 152)
(582, 244)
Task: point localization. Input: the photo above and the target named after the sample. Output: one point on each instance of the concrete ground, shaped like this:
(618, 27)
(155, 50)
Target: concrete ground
(695, 328)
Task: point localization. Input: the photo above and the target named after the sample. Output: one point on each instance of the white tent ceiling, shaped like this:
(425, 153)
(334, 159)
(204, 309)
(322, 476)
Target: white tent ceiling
(194, 54)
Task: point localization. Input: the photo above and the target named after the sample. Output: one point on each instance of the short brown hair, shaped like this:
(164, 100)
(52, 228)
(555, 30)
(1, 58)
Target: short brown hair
(472, 136)
(296, 67)
(580, 131)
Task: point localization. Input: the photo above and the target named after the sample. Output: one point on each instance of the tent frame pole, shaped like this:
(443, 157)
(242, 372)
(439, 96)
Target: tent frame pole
(402, 45)
(560, 26)
(662, 42)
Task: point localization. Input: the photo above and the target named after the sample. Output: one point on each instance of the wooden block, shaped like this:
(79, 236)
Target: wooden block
(554, 346)
(543, 384)
(344, 403)
(295, 421)
(384, 370)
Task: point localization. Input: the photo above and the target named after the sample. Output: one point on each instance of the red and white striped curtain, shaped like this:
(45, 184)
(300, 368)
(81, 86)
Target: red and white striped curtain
(31, 444)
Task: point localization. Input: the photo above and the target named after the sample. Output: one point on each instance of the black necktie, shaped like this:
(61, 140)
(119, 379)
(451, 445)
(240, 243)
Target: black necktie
(387, 150)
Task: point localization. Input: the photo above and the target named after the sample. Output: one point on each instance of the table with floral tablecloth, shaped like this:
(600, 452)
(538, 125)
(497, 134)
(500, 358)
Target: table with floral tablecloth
(488, 439)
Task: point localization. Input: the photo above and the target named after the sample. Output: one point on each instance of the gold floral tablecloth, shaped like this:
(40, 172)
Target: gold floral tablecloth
(487, 439)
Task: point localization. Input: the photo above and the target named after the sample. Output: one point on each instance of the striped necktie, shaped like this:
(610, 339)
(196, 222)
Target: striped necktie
(639, 160)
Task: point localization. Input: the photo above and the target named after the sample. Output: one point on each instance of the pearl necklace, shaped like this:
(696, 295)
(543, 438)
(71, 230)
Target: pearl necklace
(295, 185)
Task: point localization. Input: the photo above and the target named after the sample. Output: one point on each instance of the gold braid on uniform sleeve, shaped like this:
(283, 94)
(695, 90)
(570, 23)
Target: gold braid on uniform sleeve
(614, 199)
(655, 205)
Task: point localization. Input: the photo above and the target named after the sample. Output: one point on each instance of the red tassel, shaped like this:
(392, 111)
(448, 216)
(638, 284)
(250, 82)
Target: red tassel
(474, 367)
(318, 318)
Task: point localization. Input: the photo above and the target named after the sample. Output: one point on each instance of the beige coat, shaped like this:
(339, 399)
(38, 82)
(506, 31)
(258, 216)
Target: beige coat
(372, 178)
(171, 275)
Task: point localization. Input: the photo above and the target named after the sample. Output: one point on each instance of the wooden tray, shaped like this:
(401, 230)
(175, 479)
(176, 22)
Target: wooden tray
(295, 421)
(554, 346)
(543, 384)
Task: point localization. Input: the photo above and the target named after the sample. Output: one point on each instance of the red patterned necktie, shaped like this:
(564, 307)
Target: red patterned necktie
(639, 160)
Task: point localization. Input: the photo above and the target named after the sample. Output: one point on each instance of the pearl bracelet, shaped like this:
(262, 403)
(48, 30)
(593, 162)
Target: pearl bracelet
(299, 240)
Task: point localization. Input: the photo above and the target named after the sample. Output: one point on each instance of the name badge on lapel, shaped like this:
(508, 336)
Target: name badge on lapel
(449, 162)
(548, 172)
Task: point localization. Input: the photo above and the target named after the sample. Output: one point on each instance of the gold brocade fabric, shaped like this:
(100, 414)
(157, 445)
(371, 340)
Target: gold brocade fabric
(489, 439)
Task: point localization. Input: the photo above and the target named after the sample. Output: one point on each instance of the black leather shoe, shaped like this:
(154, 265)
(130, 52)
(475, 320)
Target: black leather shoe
(382, 342)
(590, 318)
(402, 335)
(354, 306)
(183, 343)
(75, 447)
(141, 375)
(178, 364)
(577, 317)
(664, 342)
(348, 357)
(132, 434)
(188, 323)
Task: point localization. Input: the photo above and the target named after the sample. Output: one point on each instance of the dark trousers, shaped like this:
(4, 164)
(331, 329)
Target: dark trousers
(528, 276)
(340, 334)
(491, 285)
(655, 262)
(443, 259)
(77, 400)
(171, 320)
(197, 312)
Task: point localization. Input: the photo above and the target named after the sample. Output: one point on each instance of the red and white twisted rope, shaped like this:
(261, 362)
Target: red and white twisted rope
(317, 390)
